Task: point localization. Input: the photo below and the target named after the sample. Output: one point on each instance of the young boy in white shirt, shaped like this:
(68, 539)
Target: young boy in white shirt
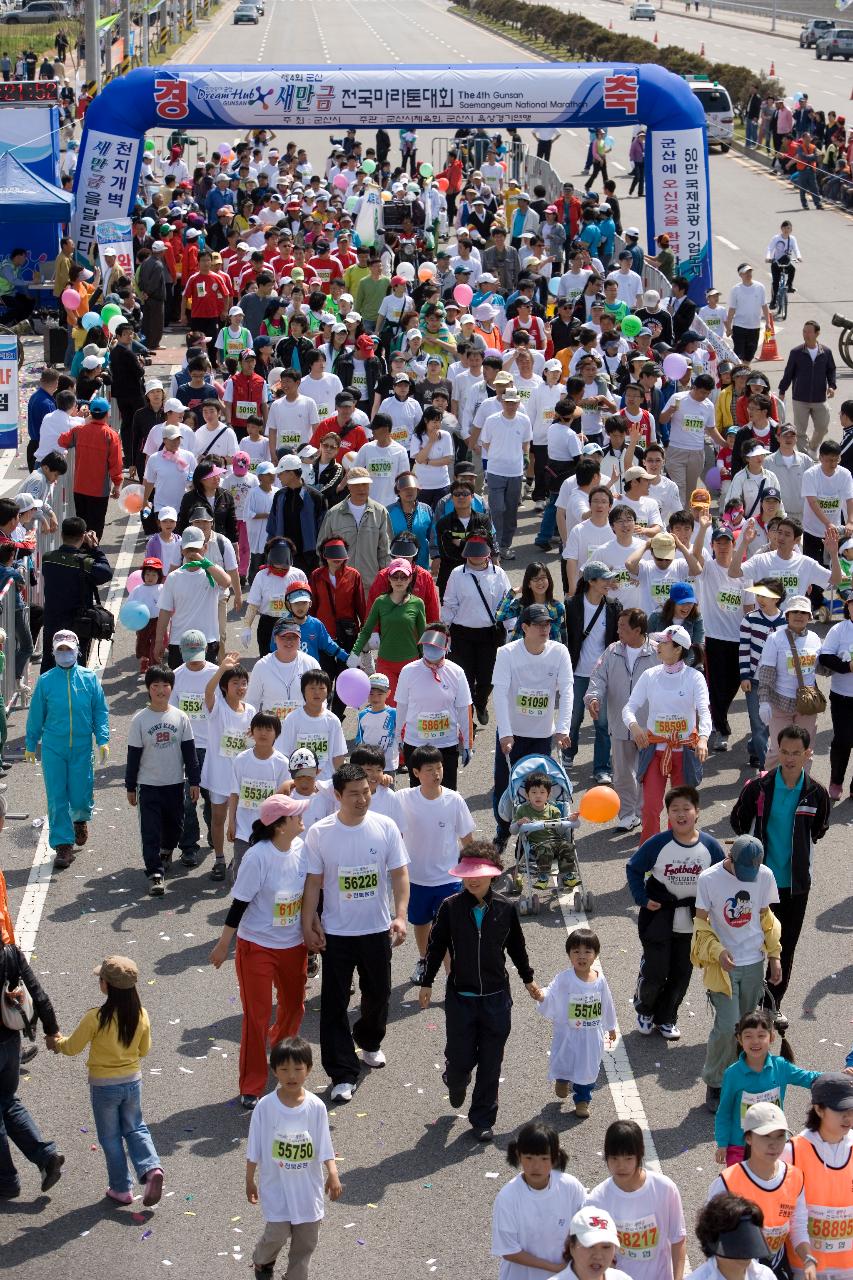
(314, 726)
(257, 773)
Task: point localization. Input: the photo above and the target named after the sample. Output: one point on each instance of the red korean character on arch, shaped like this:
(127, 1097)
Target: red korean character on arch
(171, 99)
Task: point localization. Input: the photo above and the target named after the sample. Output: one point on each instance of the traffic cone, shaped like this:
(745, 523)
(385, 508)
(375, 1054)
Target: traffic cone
(769, 349)
(656, 38)
(702, 50)
(772, 71)
(610, 25)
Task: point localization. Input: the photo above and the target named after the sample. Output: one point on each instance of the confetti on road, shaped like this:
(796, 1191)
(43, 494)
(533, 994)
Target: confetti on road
(492, 1175)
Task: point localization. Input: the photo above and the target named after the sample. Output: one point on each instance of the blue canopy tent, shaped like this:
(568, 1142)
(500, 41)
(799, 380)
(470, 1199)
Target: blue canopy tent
(25, 197)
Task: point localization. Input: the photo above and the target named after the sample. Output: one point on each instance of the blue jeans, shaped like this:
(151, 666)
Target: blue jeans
(751, 132)
(807, 183)
(580, 1092)
(601, 748)
(16, 1123)
(504, 498)
(548, 527)
(759, 733)
(117, 1109)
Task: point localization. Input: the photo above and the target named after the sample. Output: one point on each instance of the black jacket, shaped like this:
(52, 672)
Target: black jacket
(683, 318)
(15, 970)
(374, 369)
(128, 375)
(70, 574)
(574, 623)
(811, 820)
(477, 955)
(221, 508)
(450, 537)
(284, 352)
(808, 378)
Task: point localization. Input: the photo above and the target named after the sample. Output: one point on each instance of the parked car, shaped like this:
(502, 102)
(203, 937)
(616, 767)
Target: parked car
(811, 30)
(837, 43)
(719, 113)
(642, 9)
(38, 11)
(246, 11)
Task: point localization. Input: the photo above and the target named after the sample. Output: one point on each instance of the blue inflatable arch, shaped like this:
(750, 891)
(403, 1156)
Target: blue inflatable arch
(434, 97)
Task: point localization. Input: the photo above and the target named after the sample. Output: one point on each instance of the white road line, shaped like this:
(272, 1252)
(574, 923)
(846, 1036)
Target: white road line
(727, 243)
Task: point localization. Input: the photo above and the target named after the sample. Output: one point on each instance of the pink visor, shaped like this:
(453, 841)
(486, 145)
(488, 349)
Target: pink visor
(472, 868)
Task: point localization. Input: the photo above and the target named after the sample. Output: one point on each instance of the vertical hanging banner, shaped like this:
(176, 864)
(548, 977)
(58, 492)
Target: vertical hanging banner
(678, 183)
(117, 234)
(8, 391)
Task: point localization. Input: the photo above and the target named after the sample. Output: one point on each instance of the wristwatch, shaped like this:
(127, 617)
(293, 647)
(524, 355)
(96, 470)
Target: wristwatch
(810, 1258)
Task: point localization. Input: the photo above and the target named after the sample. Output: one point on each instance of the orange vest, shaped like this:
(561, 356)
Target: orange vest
(7, 932)
(829, 1199)
(777, 1206)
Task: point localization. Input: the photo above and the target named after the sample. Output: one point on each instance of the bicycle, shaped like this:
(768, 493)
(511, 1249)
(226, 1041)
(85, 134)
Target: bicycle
(782, 295)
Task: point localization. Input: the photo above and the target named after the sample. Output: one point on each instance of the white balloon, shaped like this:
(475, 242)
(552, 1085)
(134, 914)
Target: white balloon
(114, 322)
(406, 270)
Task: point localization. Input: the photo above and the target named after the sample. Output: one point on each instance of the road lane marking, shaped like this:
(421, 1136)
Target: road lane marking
(727, 243)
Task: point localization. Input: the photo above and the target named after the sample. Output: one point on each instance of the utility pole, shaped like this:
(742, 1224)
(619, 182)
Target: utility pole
(146, 38)
(124, 22)
(93, 45)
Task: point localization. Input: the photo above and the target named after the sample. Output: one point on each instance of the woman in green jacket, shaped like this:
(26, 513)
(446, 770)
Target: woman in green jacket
(400, 619)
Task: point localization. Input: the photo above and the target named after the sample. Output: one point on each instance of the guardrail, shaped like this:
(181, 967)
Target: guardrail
(8, 685)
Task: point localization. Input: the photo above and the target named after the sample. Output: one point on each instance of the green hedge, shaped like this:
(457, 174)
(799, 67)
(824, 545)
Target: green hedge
(584, 41)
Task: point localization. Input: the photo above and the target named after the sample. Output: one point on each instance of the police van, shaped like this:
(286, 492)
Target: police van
(718, 109)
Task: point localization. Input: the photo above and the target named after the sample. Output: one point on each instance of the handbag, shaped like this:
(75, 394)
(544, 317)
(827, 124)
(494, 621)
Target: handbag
(93, 621)
(16, 1003)
(810, 700)
(346, 629)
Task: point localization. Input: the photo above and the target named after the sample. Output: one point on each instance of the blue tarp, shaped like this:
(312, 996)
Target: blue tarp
(25, 197)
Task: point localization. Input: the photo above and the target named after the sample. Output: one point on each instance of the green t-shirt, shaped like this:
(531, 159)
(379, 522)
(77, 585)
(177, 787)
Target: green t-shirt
(400, 627)
(549, 814)
(780, 829)
(369, 296)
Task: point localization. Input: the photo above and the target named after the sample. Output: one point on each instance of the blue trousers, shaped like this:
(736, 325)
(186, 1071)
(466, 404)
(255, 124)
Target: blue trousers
(548, 525)
(191, 837)
(16, 1123)
(69, 783)
(601, 749)
(759, 733)
(117, 1109)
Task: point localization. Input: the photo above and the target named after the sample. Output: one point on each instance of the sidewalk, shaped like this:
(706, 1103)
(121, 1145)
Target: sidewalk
(785, 30)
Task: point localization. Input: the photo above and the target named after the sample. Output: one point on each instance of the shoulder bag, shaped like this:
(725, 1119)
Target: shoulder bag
(810, 700)
(93, 621)
(497, 627)
(16, 1003)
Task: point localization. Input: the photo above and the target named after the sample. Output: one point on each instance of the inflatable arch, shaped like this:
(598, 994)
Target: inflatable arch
(364, 97)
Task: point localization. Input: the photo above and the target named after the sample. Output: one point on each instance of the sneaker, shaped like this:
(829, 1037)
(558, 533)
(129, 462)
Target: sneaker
(248, 1101)
(157, 885)
(482, 715)
(191, 857)
(484, 1135)
(602, 778)
(713, 740)
(539, 506)
(418, 973)
(835, 791)
(217, 871)
(507, 553)
(561, 1088)
(10, 1193)
(153, 1188)
(52, 1171)
(569, 880)
(723, 744)
(374, 1059)
(144, 664)
(456, 1094)
(582, 1110)
(120, 1197)
(341, 1092)
(542, 882)
(65, 855)
(754, 762)
(81, 833)
(28, 1052)
(24, 689)
(628, 823)
(645, 1024)
(313, 964)
(669, 1031)
(712, 1099)
(264, 1273)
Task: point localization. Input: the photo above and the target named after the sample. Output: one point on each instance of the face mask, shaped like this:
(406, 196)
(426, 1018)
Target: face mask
(65, 657)
(434, 652)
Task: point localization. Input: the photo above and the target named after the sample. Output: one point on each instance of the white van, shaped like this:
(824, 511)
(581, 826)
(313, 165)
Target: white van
(719, 112)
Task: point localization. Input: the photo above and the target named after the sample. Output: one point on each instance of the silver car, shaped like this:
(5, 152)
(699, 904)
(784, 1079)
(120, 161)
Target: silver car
(835, 44)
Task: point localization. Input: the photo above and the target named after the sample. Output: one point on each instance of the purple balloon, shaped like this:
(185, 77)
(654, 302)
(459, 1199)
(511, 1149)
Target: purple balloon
(134, 580)
(713, 479)
(675, 366)
(353, 687)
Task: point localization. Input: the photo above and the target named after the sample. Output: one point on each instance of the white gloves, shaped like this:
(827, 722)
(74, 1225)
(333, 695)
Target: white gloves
(765, 712)
(103, 754)
(354, 660)
(373, 642)
(246, 637)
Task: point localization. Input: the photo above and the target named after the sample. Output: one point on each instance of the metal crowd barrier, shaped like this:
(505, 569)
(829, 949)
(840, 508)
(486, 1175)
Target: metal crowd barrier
(62, 502)
(9, 687)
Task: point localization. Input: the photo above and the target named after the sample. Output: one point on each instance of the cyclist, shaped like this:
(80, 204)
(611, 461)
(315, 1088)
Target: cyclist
(782, 252)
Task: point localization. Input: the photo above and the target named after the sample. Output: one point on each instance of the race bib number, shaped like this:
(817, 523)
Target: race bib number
(638, 1239)
(320, 746)
(286, 909)
(192, 705)
(233, 346)
(748, 1100)
(200, 289)
(729, 601)
(669, 725)
(830, 1228)
(291, 441)
(231, 744)
(693, 425)
(324, 411)
(379, 468)
(401, 435)
(292, 1150)
(775, 1237)
(660, 591)
(533, 702)
(254, 791)
(829, 504)
(807, 662)
(276, 606)
(245, 408)
(358, 883)
(284, 710)
(624, 579)
(359, 380)
(585, 1013)
(548, 415)
(436, 725)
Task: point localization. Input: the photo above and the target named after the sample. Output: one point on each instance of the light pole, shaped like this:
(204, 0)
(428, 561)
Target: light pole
(93, 45)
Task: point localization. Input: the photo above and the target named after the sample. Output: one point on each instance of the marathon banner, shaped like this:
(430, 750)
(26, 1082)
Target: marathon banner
(722, 350)
(117, 234)
(676, 172)
(8, 391)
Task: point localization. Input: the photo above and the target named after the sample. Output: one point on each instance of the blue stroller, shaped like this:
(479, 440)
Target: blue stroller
(520, 879)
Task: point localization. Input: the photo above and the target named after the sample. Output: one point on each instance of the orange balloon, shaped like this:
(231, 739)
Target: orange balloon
(599, 804)
(132, 502)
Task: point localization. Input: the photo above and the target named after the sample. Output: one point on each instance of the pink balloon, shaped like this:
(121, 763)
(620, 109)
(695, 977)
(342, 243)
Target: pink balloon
(353, 687)
(675, 366)
(71, 299)
(134, 580)
(340, 182)
(463, 294)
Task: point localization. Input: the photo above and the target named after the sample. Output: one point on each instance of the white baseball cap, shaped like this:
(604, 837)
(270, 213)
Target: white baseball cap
(763, 1118)
(173, 405)
(593, 1226)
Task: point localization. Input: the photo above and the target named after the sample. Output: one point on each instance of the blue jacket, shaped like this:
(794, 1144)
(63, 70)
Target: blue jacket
(41, 403)
(776, 1074)
(68, 709)
(311, 514)
(314, 639)
(214, 201)
(421, 527)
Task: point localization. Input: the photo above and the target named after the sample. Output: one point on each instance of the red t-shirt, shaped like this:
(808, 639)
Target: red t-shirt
(326, 269)
(352, 441)
(206, 295)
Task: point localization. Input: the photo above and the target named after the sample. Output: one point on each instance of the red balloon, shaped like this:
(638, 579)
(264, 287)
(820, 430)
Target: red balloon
(442, 184)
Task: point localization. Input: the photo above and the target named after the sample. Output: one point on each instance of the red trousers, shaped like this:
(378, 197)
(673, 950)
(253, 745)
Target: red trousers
(258, 970)
(392, 671)
(655, 787)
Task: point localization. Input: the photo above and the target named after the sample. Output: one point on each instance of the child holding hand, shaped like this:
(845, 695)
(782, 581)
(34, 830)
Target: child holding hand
(579, 1004)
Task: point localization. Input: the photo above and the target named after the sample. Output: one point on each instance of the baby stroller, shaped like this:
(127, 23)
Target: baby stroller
(561, 795)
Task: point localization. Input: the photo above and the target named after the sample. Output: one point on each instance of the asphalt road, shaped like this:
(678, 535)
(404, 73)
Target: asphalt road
(417, 1194)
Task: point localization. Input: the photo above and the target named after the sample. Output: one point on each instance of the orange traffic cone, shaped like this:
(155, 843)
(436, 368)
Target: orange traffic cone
(656, 38)
(772, 71)
(769, 349)
(702, 50)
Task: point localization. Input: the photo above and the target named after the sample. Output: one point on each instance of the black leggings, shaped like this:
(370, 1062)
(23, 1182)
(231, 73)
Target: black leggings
(723, 673)
(841, 709)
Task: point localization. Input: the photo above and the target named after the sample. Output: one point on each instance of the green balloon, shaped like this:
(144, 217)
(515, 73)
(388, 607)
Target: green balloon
(149, 146)
(631, 326)
(426, 170)
(109, 311)
(369, 166)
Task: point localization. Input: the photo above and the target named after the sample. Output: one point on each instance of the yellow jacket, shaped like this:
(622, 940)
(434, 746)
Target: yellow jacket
(706, 947)
(109, 1059)
(723, 410)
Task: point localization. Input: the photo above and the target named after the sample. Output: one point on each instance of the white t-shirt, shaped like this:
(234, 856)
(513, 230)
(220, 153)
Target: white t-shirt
(839, 641)
(629, 286)
(254, 782)
(721, 598)
(563, 441)
(655, 583)
(289, 1145)
(193, 602)
(572, 284)
(268, 590)
(585, 540)
(832, 494)
(258, 503)
(688, 424)
(239, 487)
(580, 1013)
(293, 421)
(384, 466)
(271, 881)
(505, 439)
(614, 556)
(321, 734)
(430, 477)
(593, 646)
(646, 510)
(674, 702)
(541, 409)
(797, 574)
(715, 319)
(405, 415)
(355, 863)
(526, 689)
(777, 654)
(188, 695)
(734, 909)
(748, 302)
(666, 495)
(649, 1222)
(225, 441)
(432, 830)
(170, 473)
(534, 1221)
(154, 439)
(274, 686)
(322, 391)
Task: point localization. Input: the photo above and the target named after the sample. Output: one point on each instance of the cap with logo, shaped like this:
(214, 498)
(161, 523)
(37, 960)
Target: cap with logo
(193, 645)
